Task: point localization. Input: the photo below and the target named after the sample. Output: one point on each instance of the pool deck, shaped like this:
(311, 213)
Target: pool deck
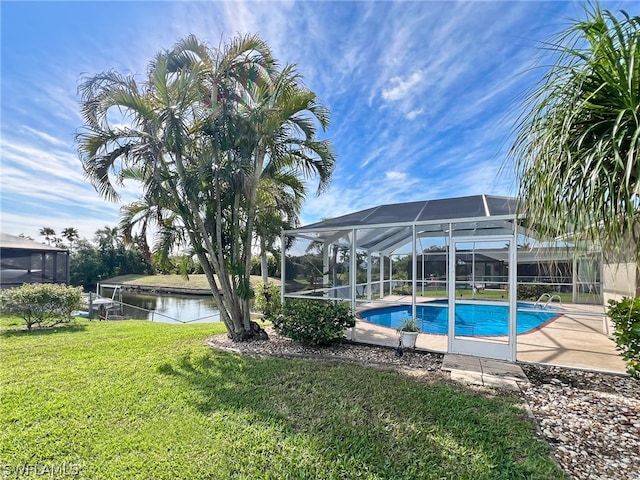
(577, 339)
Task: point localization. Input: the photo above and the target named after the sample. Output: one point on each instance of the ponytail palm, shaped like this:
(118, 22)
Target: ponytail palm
(577, 145)
(199, 135)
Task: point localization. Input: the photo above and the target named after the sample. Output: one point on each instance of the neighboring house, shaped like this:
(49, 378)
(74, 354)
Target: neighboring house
(27, 261)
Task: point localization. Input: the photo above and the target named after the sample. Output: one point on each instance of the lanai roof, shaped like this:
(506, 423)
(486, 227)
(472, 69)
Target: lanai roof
(443, 209)
(8, 241)
(386, 227)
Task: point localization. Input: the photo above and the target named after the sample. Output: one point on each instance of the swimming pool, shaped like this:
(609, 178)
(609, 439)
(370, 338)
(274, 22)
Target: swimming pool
(471, 319)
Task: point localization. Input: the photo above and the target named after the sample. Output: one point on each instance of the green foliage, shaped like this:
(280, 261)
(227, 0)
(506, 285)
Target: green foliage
(267, 299)
(530, 291)
(577, 142)
(313, 322)
(409, 325)
(625, 316)
(89, 264)
(45, 304)
(402, 290)
(273, 266)
(203, 164)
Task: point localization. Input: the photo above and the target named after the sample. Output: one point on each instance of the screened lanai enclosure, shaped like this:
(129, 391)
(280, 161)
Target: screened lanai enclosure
(26, 261)
(449, 263)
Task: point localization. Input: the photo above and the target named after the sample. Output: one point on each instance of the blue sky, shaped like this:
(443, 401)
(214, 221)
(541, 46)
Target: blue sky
(423, 95)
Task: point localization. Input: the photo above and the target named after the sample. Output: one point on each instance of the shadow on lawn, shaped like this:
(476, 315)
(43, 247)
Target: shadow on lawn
(42, 331)
(376, 421)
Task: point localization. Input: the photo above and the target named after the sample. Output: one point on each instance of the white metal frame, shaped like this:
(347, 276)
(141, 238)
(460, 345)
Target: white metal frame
(503, 228)
(483, 348)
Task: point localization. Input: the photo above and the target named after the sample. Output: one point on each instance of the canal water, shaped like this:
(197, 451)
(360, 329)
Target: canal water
(167, 308)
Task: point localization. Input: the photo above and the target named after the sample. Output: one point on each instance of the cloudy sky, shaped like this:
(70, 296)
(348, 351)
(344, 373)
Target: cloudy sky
(423, 95)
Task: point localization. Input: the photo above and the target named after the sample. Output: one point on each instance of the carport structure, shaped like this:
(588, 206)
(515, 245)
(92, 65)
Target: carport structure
(353, 258)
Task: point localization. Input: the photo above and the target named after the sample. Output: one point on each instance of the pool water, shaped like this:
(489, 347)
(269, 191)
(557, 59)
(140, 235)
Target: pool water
(471, 319)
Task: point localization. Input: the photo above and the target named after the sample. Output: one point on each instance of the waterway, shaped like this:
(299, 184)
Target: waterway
(167, 308)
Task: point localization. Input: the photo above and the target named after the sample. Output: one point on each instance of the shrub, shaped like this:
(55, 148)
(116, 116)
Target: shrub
(267, 299)
(625, 316)
(531, 291)
(41, 304)
(402, 290)
(313, 322)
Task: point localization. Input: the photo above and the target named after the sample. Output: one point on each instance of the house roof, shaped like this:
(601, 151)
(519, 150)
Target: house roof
(8, 241)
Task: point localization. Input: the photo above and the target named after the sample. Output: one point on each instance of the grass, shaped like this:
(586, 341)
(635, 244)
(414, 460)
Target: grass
(147, 400)
(487, 294)
(168, 281)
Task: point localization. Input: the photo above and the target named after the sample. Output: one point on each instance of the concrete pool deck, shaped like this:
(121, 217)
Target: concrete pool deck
(578, 339)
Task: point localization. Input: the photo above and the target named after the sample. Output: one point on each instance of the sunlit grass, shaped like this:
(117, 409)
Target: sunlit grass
(176, 281)
(144, 400)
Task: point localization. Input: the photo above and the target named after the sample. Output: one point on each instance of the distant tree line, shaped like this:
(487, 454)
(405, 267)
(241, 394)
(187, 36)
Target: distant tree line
(107, 256)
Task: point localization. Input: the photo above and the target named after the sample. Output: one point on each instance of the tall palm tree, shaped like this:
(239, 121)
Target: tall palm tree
(194, 134)
(274, 122)
(577, 144)
(108, 237)
(71, 234)
(48, 233)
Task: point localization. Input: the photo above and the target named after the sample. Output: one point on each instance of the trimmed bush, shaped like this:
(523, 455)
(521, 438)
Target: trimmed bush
(313, 322)
(45, 304)
(625, 316)
(531, 291)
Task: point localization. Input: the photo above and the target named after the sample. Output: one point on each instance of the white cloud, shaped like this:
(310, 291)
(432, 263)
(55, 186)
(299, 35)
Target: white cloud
(413, 114)
(395, 176)
(402, 87)
(45, 136)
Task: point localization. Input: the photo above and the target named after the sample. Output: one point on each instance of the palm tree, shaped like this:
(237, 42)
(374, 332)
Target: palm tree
(48, 233)
(278, 204)
(108, 238)
(149, 212)
(71, 234)
(194, 134)
(274, 124)
(577, 144)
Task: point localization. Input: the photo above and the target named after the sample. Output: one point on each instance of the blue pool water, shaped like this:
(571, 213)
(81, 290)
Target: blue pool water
(471, 319)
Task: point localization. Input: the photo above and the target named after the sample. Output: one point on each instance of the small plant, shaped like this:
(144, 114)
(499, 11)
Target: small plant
(625, 316)
(313, 322)
(409, 325)
(268, 299)
(41, 304)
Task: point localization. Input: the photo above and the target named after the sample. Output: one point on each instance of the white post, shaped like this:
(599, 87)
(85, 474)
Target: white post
(381, 275)
(473, 272)
(574, 280)
(369, 262)
(414, 271)
(325, 269)
(513, 295)
(282, 267)
(451, 285)
(354, 278)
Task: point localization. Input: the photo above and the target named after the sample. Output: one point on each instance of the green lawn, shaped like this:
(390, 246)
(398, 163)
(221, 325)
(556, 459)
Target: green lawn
(178, 281)
(146, 400)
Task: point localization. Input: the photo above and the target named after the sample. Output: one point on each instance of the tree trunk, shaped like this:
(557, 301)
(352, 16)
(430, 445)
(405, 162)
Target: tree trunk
(264, 264)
